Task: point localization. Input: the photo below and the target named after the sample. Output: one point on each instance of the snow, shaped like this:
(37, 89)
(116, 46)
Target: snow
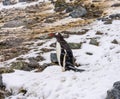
(102, 69)
(21, 5)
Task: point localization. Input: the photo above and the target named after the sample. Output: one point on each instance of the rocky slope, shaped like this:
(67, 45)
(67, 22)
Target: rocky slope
(25, 45)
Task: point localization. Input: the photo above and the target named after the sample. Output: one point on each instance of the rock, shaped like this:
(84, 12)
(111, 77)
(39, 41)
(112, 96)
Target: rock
(108, 21)
(6, 70)
(46, 50)
(14, 23)
(114, 41)
(116, 85)
(6, 2)
(53, 58)
(89, 53)
(2, 94)
(115, 16)
(99, 33)
(21, 65)
(33, 63)
(23, 0)
(69, 9)
(75, 45)
(78, 12)
(11, 42)
(60, 5)
(114, 93)
(116, 5)
(49, 20)
(93, 41)
(1, 82)
(96, 0)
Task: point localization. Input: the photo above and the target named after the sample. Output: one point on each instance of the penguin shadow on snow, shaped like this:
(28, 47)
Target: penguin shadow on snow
(64, 54)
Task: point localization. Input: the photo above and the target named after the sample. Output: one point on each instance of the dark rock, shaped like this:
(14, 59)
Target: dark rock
(46, 50)
(39, 58)
(6, 70)
(114, 41)
(21, 65)
(116, 85)
(104, 19)
(116, 5)
(1, 82)
(53, 58)
(93, 41)
(115, 16)
(53, 45)
(78, 12)
(12, 24)
(49, 20)
(2, 94)
(69, 9)
(23, 0)
(33, 63)
(89, 53)
(108, 21)
(60, 5)
(11, 42)
(115, 92)
(75, 45)
(96, 0)
(99, 33)
(6, 2)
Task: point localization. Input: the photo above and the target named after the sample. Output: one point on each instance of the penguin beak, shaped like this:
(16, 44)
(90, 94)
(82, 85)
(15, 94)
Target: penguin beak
(51, 35)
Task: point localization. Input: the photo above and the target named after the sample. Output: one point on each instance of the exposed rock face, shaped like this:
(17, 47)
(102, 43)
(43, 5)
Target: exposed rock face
(78, 12)
(115, 92)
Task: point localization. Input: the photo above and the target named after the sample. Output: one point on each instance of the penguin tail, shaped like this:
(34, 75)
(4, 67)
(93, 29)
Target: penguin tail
(75, 69)
(72, 67)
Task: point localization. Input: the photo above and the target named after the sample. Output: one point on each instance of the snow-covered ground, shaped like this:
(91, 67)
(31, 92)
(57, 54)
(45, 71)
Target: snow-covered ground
(102, 69)
(21, 5)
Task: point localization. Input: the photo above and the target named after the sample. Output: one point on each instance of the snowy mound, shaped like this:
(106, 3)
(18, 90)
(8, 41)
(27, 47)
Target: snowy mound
(102, 69)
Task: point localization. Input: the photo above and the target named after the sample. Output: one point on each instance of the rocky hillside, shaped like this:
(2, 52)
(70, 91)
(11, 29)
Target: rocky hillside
(27, 53)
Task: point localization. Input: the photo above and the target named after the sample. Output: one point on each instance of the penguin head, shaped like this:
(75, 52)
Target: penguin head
(58, 36)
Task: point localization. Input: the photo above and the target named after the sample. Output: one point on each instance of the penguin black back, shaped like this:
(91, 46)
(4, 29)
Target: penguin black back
(65, 55)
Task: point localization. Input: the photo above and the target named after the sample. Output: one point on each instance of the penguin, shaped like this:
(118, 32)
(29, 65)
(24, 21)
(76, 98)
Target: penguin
(64, 54)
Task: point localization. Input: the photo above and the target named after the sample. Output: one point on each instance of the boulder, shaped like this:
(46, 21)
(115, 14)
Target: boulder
(75, 45)
(114, 93)
(6, 2)
(33, 63)
(53, 58)
(21, 65)
(115, 16)
(69, 9)
(93, 41)
(78, 12)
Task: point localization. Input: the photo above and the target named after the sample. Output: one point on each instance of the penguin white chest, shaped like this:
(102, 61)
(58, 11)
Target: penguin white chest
(58, 51)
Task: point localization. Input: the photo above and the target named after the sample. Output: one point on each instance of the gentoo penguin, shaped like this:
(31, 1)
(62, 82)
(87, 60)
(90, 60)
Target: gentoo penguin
(65, 54)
